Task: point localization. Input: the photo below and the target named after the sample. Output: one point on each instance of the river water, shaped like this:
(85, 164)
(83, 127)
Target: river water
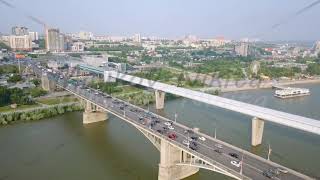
(63, 148)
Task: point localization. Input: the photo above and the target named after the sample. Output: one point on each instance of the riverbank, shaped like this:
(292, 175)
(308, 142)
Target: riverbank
(266, 84)
(233, 86)
(38, 113)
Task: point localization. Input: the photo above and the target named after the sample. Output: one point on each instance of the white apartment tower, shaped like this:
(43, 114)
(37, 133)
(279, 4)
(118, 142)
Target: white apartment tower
(20, 43)
(242, 49)
(54, 40)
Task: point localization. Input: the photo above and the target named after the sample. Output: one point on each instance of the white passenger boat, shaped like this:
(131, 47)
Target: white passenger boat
(291, 92)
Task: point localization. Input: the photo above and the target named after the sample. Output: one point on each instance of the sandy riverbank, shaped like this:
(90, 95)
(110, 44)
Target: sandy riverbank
(265, 84)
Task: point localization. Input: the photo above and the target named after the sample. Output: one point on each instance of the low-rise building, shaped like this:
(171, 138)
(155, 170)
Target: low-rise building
(77, 47)
(95, 60)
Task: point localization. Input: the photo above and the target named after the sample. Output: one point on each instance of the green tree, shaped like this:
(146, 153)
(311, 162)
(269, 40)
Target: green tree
(4, 46)
(36, 92)
(36, 82)
(180, 79)
(15, 78)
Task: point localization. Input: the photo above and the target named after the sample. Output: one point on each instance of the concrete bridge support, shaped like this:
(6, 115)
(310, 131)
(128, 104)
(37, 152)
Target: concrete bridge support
(108, 77)
(257, 131)
(159, 99)
(93, 114)
(169, 157)
(46, 84)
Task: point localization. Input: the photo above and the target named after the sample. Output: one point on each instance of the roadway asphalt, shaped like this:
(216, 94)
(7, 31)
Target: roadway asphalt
(253, 166)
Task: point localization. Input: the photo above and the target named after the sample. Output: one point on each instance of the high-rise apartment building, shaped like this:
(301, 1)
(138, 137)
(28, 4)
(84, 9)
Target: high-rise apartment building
(85, 35)
(34, 36)
(242, 49)
(20, 43)
(20, 31)
(317, 48)
(137, 38)
(54, 40)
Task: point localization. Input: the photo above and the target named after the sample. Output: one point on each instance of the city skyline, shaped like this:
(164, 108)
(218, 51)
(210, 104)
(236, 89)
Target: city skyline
(172, 19)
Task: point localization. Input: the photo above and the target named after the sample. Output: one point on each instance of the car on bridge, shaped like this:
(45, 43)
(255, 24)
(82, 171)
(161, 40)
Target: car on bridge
(236, 163)
(268, 174)
(186, 142)
(218, 151)
(188, 131)
(234, 155)
(193, 146)
(282, 170)
(168, 123)
(160, 131)
(172, 136)
(194, 138)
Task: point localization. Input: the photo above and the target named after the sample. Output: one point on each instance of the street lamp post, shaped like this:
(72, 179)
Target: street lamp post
(241, 164)
(175, 117)
(269, 152)
(188, 141)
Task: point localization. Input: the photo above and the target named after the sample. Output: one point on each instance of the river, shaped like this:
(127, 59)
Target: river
(63, 148)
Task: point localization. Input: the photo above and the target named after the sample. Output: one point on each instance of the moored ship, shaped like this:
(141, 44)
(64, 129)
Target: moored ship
(291, 92)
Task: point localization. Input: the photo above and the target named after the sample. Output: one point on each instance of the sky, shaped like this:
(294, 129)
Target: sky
(232, 19)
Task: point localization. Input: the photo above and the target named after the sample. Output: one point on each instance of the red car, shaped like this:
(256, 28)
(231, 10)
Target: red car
(172, 136)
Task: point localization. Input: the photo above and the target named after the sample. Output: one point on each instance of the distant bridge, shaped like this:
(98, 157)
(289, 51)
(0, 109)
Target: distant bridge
(259, 113)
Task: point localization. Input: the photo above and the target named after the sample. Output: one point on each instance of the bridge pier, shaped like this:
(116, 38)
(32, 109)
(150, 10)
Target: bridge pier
(46, 84)
(257, 131)
(93, 114)
(169, 157)
(159, 99)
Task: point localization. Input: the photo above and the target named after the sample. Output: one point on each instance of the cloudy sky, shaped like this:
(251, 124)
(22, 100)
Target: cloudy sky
(232, 19)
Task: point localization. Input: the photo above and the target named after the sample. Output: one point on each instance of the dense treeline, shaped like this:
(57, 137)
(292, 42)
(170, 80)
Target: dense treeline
(314, 68)
(225, 69)
(14, 78)
(4, 46)
(14, 96)
(107, 87)
(125, 48)
(276, 72)
(7, 69)
(156, 74)
(37, 114)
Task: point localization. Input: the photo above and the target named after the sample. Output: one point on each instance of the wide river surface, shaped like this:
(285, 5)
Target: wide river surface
(63, 148)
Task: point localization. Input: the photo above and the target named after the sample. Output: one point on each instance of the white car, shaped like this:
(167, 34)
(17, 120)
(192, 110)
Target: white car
(282, 170)
(219, 146)
(185, 142)
(167, 123)
(235, 163)
(202, 138)
(171, 128)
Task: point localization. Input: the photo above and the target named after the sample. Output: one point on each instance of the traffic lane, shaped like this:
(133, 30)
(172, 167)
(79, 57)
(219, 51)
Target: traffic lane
(129, 112)
(252, 162)
(252, 167)
(135, 114)
(225, 160)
